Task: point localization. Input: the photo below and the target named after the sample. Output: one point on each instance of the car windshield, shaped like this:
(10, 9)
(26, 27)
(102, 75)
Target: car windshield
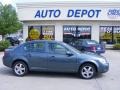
(73, 49)
(15, 38)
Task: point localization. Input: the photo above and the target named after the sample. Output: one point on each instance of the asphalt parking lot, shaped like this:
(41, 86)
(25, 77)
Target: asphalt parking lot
(61, 81)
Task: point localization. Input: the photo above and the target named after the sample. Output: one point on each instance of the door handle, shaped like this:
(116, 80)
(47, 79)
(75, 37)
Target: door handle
(52, 56)
(29, 55)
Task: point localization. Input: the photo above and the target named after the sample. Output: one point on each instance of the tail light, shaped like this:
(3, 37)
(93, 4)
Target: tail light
(6, 53)
(93, 48)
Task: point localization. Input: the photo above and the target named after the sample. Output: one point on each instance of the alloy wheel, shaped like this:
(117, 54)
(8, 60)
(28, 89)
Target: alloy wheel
(87, 71)
(20, 68)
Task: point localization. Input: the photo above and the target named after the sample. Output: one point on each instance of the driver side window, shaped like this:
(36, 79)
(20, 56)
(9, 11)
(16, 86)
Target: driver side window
(57, 48)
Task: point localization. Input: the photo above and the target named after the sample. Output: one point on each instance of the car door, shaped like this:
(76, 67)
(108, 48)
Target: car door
(37, 56)
(59, 61)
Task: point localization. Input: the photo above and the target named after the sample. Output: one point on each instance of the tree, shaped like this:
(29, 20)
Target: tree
(9, 22)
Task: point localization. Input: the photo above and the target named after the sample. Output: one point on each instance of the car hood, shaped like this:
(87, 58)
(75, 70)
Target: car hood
(90, 55)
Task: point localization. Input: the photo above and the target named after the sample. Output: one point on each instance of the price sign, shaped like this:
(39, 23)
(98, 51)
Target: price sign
(48, 37)
(48, 33)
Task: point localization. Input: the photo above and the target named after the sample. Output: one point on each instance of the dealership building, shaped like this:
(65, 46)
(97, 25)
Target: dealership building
(70, 21)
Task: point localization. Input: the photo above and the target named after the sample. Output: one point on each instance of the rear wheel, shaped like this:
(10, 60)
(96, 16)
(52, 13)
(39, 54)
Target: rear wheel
(20, 68)
(87, 71)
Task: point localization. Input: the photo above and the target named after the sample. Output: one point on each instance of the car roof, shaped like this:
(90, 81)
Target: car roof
(43, 41)
(11, 37)
(86, 40)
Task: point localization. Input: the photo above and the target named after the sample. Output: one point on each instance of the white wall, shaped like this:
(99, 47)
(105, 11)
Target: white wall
(25, 32)
(59, 32)
(80, 11)
(59, 27)
(27, 12)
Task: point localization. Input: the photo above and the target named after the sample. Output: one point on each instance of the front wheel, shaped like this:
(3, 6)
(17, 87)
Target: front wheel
(20, 68)
(87, 71)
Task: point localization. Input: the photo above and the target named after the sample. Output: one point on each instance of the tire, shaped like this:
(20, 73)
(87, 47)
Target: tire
(20, 68)
(87, 71)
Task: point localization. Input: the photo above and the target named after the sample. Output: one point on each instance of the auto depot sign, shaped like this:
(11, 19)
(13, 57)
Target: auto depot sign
(69, 13)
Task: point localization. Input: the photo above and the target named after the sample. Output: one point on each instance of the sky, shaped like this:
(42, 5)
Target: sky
(13, 2)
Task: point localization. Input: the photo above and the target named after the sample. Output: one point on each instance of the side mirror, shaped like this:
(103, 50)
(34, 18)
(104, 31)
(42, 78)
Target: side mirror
(69, 53)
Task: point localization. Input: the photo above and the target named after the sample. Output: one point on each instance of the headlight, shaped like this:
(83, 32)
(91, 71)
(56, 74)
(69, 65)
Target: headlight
(103, 61)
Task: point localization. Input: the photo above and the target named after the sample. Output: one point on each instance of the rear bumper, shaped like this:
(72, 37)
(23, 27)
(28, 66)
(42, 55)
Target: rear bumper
(6, 61)
(96, 51)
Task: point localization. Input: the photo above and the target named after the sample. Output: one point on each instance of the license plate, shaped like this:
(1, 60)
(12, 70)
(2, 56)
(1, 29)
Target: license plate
(98, 48)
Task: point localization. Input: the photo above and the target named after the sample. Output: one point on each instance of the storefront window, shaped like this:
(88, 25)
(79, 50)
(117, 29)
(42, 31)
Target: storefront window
(41, 33)
(110, 34)
(73, 32)
(116, 34)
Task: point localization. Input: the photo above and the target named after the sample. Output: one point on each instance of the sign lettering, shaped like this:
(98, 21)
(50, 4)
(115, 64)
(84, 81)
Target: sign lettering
(71, 13)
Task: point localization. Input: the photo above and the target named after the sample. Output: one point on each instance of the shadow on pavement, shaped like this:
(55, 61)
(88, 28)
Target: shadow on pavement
(52, 74)
(99, 76)
(8, 72)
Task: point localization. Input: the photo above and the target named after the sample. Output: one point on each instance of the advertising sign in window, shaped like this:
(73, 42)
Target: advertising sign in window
(48, 32)
(84, 30)
(110, 34)
(41, 32)
(116, 31)
(106, 32)
(74, 32)
(69, 29)
(77, 31)
(34, 34)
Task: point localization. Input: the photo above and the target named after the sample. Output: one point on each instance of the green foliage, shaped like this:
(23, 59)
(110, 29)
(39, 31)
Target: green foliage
(116, 46)
(4, 44)
(118, 40)
(9, 22)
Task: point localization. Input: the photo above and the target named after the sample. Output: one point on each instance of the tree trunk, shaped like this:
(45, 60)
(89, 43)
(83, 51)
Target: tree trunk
(3, 37)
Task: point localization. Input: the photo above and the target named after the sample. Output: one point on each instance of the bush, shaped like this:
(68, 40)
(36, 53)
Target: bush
(4, 44)
(116, 46)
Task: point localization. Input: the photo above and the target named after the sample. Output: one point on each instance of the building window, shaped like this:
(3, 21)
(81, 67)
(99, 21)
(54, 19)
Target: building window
(74, 32)
(110, 34)
(116, 34)
(41, 33)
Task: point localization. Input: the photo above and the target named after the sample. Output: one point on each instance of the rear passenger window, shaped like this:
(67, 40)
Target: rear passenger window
(35, 47)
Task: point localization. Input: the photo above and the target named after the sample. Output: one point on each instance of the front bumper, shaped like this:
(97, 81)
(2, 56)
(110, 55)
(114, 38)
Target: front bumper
(103, 68)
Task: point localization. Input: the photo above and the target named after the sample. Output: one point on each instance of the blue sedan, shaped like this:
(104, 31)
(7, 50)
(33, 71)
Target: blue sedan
(89, 45)
(54, 56)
